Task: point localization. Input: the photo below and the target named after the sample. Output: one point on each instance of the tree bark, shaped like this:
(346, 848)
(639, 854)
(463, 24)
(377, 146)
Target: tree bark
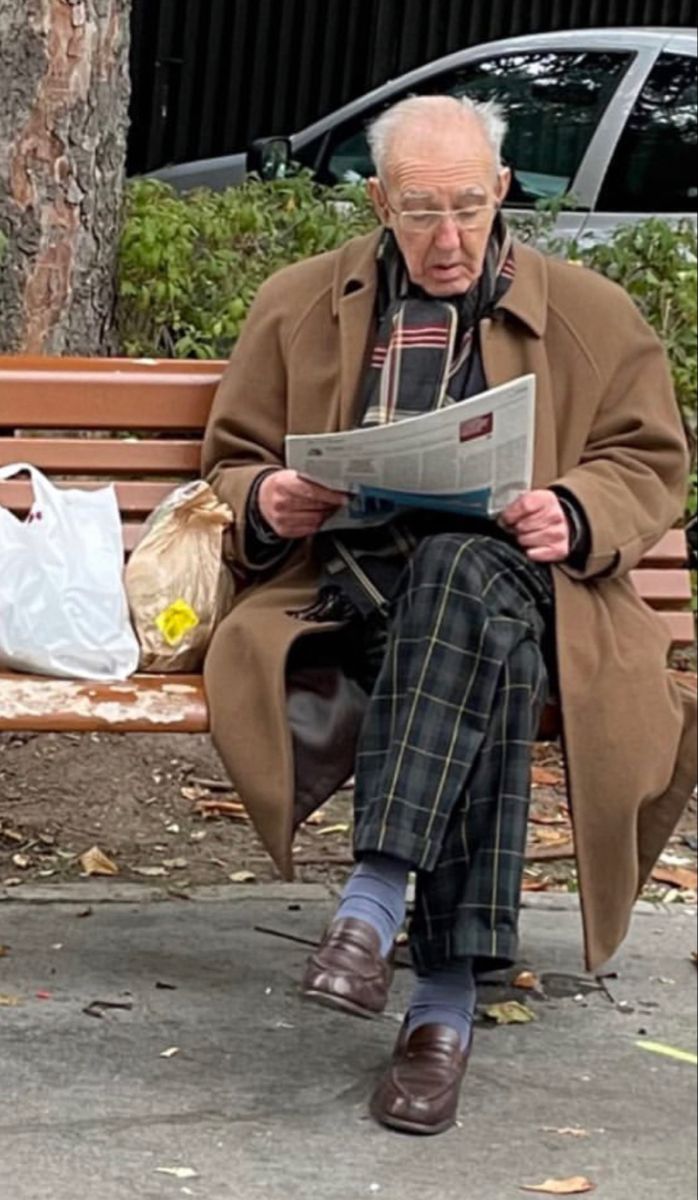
(64, 92)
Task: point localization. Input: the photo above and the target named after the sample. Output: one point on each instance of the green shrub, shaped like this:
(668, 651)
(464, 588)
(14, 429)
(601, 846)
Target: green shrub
(656, 264)
(190, 266)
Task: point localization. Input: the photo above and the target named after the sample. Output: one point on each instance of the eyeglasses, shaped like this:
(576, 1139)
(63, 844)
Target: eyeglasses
(426, 220)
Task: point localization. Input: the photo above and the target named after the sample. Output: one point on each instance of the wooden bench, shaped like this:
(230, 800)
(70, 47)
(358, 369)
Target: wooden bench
(72, 418)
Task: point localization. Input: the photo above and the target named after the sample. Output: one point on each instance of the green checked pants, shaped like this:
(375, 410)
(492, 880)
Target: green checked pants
(443, 760)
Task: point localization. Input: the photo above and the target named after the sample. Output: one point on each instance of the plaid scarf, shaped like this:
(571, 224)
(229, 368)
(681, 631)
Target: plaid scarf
(425, 356)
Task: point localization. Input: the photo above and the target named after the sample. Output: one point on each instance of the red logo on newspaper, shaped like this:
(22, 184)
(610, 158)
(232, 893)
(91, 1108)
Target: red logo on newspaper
(476, 427)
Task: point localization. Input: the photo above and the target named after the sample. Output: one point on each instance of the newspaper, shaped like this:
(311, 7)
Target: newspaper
(473, 458)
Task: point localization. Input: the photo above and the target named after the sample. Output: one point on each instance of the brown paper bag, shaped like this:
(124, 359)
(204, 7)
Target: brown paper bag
(177, 584)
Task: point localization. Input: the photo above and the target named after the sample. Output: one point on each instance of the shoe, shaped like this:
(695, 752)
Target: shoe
(348, 971)
(419, 1091)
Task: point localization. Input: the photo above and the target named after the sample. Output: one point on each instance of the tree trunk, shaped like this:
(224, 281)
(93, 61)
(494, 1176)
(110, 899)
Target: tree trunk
(64, 91)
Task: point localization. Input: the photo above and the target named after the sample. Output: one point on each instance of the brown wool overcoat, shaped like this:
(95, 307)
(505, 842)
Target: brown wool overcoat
(607, 427)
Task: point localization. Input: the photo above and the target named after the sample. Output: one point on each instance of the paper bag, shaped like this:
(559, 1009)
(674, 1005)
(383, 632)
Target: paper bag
(177, 584)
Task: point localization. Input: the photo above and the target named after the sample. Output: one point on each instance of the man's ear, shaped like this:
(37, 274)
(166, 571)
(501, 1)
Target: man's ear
(503, 184)
(376, 195)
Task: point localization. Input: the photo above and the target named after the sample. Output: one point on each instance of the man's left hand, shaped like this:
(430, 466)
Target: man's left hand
(538, 522)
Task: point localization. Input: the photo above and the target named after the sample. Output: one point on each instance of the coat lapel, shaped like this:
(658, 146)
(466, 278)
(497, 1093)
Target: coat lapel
(505, 355)
(354, 298)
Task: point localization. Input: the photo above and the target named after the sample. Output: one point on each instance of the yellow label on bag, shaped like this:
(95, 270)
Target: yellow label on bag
(176, 621)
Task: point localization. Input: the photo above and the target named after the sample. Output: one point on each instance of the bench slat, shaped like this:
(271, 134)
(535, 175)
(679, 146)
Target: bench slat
(681, 627)
(106, 401)
(668, 587)
(669, 551)
(103, 456)
(143, 704)
(18, 364)
(132, 497)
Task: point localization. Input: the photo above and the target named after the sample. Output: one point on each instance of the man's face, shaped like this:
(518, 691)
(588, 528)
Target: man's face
(440, 197)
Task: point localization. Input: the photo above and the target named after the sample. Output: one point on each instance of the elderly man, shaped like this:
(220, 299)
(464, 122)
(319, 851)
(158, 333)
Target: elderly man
(419, 653)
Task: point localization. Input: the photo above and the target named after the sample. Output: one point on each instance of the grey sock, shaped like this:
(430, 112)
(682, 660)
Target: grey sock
(445, 997)
(375, 893)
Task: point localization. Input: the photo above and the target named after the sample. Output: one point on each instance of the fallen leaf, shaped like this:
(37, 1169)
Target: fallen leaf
(22, 861)
(174, 864)
(676, 877)
(509, 1013)
(9, 1001)
(4, 950)
(333, 829)
(212, 785)
(549, 853)
(243, 877)
(150, 872)
(95, 862)
(539, 816)
(674, 860)
(97, 1008)
(170, 1053)
(567, 1131)
(12, 835)
(536, 885)
(178, 1172)
(549, 836)
(561, 1187)
(196, 792)
(221, 808)
(542, 777)
(528, 982)
(44, 995)
(315, 818)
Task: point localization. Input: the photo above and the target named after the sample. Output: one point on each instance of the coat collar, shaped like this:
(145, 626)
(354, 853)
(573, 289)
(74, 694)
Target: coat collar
(526, 299)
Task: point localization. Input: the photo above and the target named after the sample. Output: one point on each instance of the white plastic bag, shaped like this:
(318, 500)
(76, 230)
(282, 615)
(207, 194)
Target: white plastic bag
(63, 608)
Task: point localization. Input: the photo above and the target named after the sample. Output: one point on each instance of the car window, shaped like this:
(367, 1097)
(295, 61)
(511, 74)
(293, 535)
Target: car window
(654, 166)
(554, 101)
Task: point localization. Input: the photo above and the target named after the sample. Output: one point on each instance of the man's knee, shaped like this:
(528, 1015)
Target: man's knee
(461, 560)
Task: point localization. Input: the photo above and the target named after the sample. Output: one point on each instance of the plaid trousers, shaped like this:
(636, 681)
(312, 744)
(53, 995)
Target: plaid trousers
(443, 760)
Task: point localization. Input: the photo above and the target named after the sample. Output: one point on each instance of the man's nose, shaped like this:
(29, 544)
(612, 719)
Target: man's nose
(447, 235)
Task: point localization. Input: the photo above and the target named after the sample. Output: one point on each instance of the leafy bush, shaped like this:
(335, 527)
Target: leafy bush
(190, 266)
(657, 266)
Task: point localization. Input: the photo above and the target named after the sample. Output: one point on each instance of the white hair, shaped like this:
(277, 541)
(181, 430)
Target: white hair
(434, 110)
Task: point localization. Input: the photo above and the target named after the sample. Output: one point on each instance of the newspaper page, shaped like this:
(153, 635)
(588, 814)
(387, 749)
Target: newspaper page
(473, 458)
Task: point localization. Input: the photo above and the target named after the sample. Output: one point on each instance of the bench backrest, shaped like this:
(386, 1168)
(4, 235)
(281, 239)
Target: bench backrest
(139, 424)
(95, 421)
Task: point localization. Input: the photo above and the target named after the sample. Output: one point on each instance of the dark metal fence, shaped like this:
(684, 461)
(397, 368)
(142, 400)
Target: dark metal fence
(210, 75)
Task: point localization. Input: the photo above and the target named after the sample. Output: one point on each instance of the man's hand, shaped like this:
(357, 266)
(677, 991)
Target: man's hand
(294, 507)
(539, 524)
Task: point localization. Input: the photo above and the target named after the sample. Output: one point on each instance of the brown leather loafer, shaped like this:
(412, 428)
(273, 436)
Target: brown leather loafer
(419, 1091)
(348, 971)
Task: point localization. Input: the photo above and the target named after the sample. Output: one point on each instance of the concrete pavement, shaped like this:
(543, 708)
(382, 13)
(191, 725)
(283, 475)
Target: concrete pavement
(264, 1098)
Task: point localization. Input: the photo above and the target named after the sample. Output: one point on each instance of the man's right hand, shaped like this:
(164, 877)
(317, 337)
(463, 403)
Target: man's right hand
(294, 507)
